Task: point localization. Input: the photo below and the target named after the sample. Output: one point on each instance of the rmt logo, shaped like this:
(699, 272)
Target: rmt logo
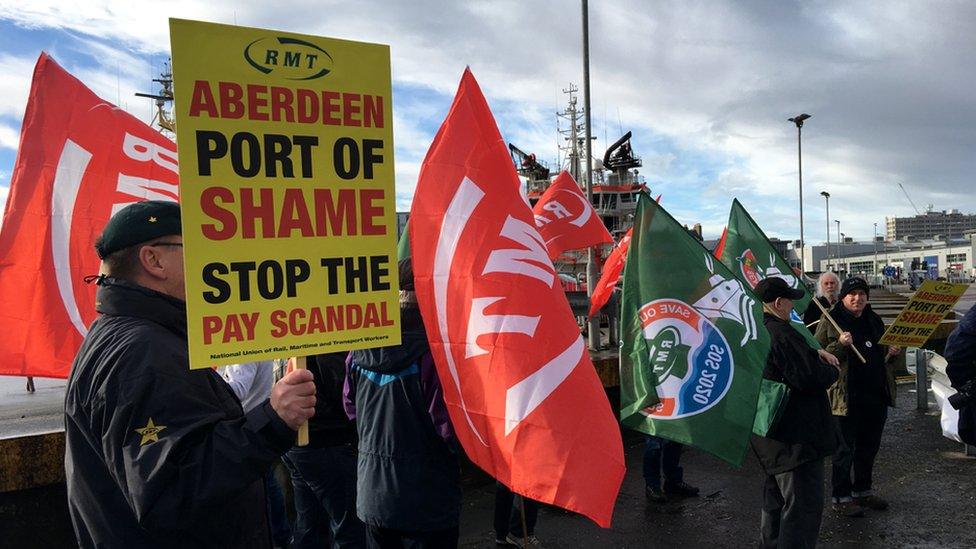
(291, 58)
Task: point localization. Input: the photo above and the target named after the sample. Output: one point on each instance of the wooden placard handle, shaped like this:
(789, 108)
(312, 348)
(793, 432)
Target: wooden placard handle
(836, 327)
(301, 364)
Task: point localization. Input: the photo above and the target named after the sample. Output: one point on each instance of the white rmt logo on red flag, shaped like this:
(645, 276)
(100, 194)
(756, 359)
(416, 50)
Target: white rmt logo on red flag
(522, 392)
(566, 219)
(80, 160)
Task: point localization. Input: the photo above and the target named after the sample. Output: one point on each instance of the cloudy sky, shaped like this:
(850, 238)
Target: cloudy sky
(706, 87)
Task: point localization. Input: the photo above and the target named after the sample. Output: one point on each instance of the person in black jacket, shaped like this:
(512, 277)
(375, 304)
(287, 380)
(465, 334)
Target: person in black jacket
(409, 492)
(156, 454)
(792, 453)
(960, 351)
(323, 473)
(960, 355)
(860, 398)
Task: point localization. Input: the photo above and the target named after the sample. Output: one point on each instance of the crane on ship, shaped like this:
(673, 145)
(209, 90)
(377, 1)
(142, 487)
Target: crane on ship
(536, 172)
(165, 95)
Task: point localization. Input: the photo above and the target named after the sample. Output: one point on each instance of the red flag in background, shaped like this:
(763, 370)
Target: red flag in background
(80, 159)
(521, 390)
(610, 274)
(566, 219)
(720, 247)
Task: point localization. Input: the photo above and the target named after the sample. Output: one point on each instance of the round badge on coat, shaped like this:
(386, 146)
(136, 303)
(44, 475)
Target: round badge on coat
(868, 344)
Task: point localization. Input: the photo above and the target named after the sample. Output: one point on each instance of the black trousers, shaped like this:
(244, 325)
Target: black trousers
(384, 538)
(662, 455)
(861, 430)
(793, 507)
(508, 516)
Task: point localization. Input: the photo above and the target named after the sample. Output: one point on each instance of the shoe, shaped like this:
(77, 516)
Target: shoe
(655, 495)
(530, 541)
(848, 509)
(680, 489)
(872, 502)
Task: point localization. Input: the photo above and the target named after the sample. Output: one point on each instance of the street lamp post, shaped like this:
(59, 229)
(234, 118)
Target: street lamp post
(874, 270)
(798, 120)
(884, 245)
(826, 196)
(847, 264)
(838, 251)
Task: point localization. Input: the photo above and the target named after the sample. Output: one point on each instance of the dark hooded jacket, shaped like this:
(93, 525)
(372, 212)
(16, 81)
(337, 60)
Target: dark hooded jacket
(874, 381)
(408, 477)
(960, 354)
(805, 430)
(960, 351)
(158, 455)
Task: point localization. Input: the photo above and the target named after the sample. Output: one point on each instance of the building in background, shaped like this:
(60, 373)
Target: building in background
(937, 225)
(952, 260)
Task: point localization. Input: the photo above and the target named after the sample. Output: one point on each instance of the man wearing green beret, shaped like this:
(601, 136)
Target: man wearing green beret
(158, 455)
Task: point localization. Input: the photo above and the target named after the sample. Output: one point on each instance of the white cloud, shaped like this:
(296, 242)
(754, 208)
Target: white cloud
(15, 84)
(4, 191)
(706, 87)
(9, 139)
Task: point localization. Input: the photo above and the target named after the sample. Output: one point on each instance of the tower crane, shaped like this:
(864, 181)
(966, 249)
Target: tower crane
(909, 199)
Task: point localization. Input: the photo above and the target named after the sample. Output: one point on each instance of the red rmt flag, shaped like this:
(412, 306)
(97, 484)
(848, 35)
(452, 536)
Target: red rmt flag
(522, 393)
(80, 159)
(566, 219)
(612, 267)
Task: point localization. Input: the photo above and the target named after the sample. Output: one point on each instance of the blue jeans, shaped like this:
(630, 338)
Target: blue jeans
(324, 480)
(661, 453)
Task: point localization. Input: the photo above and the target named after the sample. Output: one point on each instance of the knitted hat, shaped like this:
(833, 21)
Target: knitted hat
(854, 283)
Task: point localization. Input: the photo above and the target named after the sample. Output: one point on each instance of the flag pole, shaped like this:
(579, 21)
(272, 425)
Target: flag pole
(301, 363)
(592, 275)
(836, 327)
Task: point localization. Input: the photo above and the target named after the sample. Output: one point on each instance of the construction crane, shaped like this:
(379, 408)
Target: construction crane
(909, 199)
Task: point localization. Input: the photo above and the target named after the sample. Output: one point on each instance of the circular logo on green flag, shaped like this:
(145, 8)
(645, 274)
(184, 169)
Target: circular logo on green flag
(690, 359)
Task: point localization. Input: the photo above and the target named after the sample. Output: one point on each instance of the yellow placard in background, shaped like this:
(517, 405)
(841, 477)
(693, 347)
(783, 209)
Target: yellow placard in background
(287, 193)
(923, 313)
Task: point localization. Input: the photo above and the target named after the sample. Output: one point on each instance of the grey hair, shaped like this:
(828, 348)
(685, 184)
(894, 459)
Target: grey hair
(820, 279)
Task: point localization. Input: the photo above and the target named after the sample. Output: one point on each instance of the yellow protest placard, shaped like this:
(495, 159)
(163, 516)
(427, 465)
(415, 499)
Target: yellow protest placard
(923, 313)
(287, 193)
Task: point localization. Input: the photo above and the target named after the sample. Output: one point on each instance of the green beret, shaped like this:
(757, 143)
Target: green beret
(137, 223)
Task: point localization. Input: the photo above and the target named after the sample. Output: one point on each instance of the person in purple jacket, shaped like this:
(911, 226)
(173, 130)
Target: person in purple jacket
(408, 472)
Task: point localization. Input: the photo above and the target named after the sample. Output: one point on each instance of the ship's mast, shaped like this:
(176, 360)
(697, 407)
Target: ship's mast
(573, 115)
(163, 118)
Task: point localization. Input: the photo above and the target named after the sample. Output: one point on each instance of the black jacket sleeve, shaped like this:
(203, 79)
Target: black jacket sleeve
(812, 314)
(960, 351)
(828, 337)
(798, 364)
(203, 451)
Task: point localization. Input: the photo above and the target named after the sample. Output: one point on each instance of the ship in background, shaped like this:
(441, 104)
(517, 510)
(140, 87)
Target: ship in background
(616, 184)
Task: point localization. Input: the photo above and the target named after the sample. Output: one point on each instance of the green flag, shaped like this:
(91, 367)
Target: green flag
(746, 250)
(403, 246)
(693, 347)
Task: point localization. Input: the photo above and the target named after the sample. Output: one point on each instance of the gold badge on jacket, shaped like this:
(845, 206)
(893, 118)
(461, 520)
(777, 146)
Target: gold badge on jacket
(150, 433)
